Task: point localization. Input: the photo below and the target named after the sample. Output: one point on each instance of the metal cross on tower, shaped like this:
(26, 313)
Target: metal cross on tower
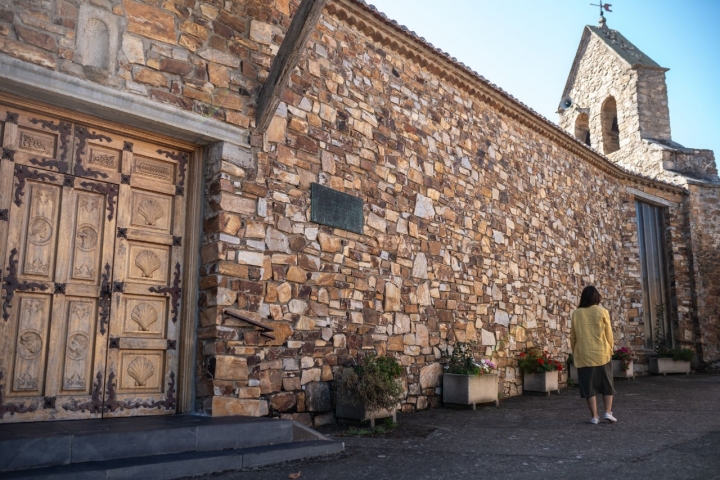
(603, 6)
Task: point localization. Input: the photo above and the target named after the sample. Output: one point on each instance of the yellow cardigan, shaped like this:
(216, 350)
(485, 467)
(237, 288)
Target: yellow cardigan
(591, 337)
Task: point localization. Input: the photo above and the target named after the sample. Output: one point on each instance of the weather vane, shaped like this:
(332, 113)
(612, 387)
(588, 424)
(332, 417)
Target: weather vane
(605, 6)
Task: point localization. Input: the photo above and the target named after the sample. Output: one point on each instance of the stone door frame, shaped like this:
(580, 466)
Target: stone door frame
(205, 137)
(191, 235)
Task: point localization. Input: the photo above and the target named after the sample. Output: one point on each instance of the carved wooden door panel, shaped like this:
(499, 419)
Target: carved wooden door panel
(53, 346)
(144, 326)
(91, 226)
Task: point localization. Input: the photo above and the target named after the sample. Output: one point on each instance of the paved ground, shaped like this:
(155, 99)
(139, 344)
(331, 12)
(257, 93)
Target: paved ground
(668, 428)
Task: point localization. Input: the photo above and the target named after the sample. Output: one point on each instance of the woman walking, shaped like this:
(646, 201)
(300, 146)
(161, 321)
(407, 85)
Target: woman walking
(591, 340)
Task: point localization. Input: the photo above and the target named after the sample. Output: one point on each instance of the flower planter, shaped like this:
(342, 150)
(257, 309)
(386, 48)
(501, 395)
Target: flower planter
(357, 411)
(544, 382)
(618, 371)
(573, 374)
(470, 389)
(668, 365)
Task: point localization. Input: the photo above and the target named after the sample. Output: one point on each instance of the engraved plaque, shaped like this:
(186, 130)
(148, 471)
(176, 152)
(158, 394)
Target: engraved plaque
(151, 211)
(141, 371)
(154, 169)
(336, 209)
(79, 343)
(148, 264)
(36, 142)
(144, 316)
(104, 158)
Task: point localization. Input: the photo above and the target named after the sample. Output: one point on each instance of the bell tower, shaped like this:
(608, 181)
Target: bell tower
(617, 94)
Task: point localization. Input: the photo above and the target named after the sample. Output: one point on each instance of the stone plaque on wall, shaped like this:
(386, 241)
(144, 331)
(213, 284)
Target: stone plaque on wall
(336, 209)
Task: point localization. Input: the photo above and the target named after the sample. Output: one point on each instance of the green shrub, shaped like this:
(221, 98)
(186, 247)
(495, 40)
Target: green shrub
(374, 383)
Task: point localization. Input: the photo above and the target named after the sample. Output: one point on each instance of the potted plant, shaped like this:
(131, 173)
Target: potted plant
(370, 390)
(572, 370)
(622, 363)
(669, 359)
(468, 382)
(540, 372)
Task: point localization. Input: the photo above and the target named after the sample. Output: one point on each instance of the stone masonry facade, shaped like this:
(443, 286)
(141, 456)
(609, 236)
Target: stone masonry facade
(482, 220)
(638, 86)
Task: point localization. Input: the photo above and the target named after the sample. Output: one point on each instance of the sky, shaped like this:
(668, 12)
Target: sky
(527, 47)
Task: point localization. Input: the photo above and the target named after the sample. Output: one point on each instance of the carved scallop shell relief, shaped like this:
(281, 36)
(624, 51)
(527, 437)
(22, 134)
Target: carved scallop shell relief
(140, 370)
(148, 262)
(144, 315)
(151, 210)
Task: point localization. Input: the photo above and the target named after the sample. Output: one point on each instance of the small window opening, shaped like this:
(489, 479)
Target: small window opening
(610, 127)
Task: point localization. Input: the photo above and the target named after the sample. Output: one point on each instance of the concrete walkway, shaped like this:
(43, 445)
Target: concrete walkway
(668, 428)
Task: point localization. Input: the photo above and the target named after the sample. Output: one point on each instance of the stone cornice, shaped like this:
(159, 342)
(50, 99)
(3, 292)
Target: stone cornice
(391, 35)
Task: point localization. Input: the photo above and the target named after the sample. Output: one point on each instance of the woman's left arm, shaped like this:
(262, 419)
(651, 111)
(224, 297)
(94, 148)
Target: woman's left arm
(609, 332)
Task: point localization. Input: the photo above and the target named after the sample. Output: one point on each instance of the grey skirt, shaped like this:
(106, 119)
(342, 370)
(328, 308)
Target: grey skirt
(596, 380)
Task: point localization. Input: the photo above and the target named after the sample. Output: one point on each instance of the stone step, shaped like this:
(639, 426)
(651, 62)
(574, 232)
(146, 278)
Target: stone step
(34, 445)
(176, 465)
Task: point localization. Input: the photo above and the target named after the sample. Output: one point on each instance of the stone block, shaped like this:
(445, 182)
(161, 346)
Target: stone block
(228, 367)
(310, 375)
(431, 375)
(229, 406)
(324, 419)
(318, 397)
(282, 402)
(291, 383)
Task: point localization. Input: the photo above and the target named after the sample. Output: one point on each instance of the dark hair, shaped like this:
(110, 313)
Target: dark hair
(589, 297)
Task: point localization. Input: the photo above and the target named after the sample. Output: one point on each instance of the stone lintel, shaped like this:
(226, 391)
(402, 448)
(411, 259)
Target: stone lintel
(28, 80)
(646, 197)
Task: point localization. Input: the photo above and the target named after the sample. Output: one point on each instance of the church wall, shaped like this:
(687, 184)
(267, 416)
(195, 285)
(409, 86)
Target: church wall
(477, 227)
(703, 204)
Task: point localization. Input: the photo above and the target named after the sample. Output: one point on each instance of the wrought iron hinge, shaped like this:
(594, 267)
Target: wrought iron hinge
(177, 241)
(12, 117)
(69, 181)
(119, 287)
(114, 342)
(60, 289)
(122, 232)
(49, 403)
(8, 154)
(171, 344)
(128, 146)
(4, 215)
(125, 179)
(179, 190)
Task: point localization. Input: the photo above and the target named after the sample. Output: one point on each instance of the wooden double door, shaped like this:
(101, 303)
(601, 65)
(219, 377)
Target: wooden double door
(91, 226)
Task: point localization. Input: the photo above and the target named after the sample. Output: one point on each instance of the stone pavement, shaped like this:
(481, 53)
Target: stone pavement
(668, 428)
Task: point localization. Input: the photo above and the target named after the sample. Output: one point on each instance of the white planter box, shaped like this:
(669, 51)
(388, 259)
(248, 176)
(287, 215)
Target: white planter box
(618, 371)
(358, 412)
(668, 365)
(470, 389)
(545, 382)
(572, 372)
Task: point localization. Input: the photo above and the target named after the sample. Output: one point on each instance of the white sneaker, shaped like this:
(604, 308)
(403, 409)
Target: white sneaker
(595, 420)
(609, 417)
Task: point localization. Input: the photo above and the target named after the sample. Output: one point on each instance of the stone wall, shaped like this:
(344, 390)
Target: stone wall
(476, 228)
(652, 104)
(479, 224)
(704, 212)
(647, 149)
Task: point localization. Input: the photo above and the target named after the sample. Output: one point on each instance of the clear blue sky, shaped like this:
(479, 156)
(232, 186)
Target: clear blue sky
(527, 48)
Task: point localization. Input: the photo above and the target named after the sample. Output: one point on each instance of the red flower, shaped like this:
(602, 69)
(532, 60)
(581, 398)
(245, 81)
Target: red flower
(541, 361)
(522, 354)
